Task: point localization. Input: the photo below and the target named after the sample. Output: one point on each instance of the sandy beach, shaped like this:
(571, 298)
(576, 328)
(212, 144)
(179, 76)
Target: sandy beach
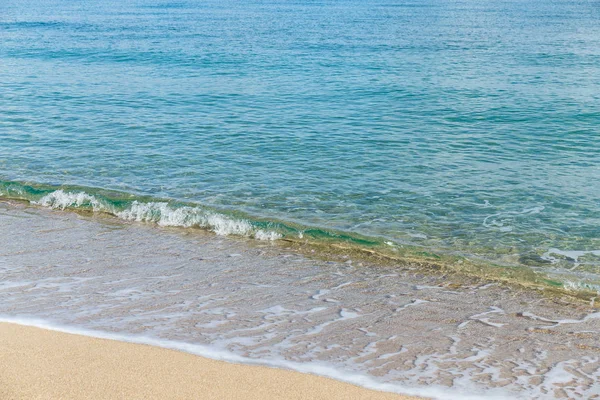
(221, 298)
(43, 364)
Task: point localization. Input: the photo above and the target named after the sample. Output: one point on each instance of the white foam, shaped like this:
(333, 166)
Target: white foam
(346, 314)
(60, 199)
(164, 215)
(160, 213)
(266, 235)
(558, 377)
(390, 355)
(557, 322)
(315, 368)
(573, 255)
(486, 321)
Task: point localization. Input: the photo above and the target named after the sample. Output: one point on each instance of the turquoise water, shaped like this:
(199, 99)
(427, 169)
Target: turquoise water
(463, 127)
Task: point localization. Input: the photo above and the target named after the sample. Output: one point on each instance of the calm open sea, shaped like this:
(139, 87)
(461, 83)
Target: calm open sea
(455, 127)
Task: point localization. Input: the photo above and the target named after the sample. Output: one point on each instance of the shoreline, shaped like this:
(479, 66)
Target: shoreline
(381, 327)
(163, 213)
(43, 363)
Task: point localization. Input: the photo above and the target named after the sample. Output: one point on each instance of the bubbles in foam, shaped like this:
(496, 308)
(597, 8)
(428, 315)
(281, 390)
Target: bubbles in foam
(160, 213)
(60, 199)
(266, 235)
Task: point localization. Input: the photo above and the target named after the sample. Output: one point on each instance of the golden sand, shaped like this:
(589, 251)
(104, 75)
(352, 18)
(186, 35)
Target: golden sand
(43, 364)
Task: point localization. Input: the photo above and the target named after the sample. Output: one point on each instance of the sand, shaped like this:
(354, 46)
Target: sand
(43, 364)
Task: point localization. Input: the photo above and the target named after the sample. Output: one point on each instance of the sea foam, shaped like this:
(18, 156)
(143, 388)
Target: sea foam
(160, 213)
(60, 199)
(315, 368)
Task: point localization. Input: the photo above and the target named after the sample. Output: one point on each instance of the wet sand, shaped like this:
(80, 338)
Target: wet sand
(43, 364)
(257, 303)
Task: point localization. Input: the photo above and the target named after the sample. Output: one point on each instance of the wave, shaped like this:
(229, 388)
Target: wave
(170, 213)
(163, 215)
(319, 241)
(160, 213)
(62, 200)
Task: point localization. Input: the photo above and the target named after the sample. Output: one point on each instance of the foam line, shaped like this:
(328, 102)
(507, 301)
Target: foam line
(160, 213)
(314, 368)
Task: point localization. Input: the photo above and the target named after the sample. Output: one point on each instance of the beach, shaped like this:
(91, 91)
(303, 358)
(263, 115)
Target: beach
(326, 196)
(43, 364)
(390, 328)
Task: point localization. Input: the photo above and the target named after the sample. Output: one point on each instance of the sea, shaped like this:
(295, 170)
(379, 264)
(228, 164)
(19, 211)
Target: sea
(455, 133)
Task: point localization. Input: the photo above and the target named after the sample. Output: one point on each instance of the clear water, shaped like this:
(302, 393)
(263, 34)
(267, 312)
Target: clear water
(386, 328)
(463, 126)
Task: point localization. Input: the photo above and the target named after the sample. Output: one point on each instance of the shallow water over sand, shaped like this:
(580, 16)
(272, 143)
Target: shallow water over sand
(264, 302)
(464, 127)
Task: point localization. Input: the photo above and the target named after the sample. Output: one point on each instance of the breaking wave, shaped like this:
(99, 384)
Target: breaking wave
(173, 213)
(60, 199)
(160, 213)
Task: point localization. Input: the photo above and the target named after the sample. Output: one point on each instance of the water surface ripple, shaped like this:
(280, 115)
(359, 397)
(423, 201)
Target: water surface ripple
(462, 126)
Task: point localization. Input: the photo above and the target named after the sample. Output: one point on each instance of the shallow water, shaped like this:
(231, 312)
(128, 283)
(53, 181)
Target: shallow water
(246, 301)
(465, 127)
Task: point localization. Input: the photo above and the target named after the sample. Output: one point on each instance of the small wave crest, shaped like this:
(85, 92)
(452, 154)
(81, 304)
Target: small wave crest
(160, 213)
(332, 243)
(60, 199)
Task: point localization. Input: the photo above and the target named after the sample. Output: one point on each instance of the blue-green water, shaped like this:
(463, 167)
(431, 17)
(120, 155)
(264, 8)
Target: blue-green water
(465, 127)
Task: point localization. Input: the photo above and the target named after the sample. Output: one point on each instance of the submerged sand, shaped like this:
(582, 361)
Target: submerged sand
(419, 333)
(42, 364)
